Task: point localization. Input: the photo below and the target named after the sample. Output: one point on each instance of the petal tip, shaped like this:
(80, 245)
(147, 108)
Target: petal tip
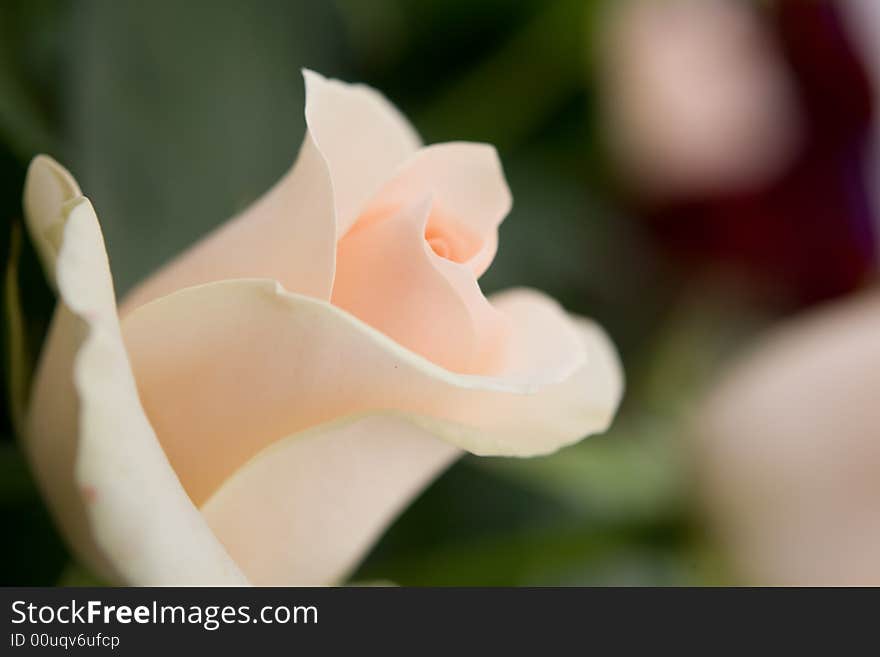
(311, 77)
(46, 175)
(50, 192)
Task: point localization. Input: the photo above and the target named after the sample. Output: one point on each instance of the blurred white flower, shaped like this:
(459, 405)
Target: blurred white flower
(789, 447)
(697, 96)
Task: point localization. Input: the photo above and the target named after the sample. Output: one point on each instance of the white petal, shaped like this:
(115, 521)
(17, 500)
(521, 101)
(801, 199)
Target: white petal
(93, 450)
(47, 188)
(305, 510)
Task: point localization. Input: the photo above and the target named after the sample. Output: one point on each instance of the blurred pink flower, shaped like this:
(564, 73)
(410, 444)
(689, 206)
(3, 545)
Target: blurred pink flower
(730, 187)
(698, 97)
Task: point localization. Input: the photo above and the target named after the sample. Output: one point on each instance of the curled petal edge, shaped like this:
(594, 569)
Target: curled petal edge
(93, 450)
(302, 350)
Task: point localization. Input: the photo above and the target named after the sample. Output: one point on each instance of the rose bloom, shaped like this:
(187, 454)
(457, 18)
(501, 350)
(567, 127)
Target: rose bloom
(260, 409)
(789, 447)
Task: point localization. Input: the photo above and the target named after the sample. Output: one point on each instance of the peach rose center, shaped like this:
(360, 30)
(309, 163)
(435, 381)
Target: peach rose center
(450, 240)
(408, 270)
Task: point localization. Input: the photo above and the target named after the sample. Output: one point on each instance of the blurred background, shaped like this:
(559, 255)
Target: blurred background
(687, 172)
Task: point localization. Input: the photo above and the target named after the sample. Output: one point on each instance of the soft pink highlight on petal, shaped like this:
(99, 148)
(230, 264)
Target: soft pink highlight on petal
(471, 198)
(363, 139)
(409, 265)
(389, 276)
(450, 240)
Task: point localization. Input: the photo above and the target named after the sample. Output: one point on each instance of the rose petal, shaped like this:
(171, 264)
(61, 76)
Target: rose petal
(304, 511)
(92, 448)
(363, 139)
(288, 235)
(388, 276)
(469, 192)
(47, 188)
(547, 345)
(292, 363)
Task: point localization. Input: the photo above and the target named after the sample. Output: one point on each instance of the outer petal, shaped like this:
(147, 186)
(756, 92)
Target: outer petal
(292, 363)
(288, 235)
(92, 448)
(304, 511)
(47, 188)
(363, 139)
(790, 447)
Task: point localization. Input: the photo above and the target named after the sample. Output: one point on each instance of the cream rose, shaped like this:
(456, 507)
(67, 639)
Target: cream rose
(260, 409)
